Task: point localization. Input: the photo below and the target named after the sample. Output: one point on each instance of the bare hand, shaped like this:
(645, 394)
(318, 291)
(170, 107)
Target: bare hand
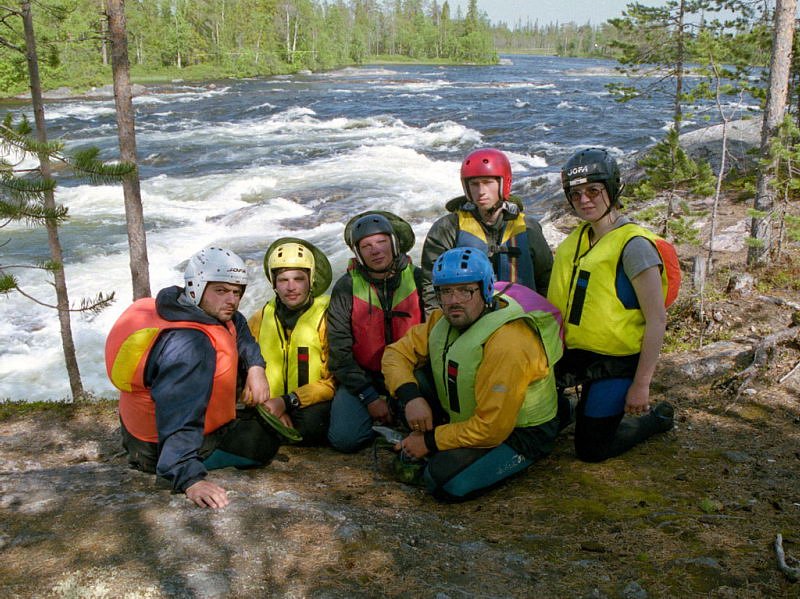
(207, 494)
(256, 387)
(286, 420)
(276, 407)
(379, 411)
(414, 445)
(419, 415)
(637, 399)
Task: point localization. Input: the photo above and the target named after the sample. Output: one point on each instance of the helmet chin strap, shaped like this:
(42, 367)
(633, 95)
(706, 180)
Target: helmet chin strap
(492, 209)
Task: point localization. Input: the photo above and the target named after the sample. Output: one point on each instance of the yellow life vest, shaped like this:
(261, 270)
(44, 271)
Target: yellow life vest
(511, 259)
(295, 360)
(589, 286)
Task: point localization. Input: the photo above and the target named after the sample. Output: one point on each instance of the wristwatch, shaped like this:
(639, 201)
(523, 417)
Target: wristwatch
(291, 401)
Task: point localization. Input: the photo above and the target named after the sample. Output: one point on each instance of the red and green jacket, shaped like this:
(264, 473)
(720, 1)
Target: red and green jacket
(377, 323)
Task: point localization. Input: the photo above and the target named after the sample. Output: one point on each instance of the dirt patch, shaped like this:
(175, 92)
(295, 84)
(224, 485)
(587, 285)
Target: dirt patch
(691, 513)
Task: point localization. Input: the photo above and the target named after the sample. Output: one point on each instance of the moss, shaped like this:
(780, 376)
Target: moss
(621, 494)
(785, 276)
(10, 409)
(754, 412)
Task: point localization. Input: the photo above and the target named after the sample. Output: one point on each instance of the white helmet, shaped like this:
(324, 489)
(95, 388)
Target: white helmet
(212, 264)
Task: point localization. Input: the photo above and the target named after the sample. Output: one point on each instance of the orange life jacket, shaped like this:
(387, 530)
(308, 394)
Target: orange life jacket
(127, 348)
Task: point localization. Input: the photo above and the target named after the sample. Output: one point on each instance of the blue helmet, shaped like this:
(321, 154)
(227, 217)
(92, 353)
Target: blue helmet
(465, 265)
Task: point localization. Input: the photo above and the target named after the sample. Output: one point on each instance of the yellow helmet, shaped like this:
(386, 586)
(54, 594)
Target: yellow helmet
(290, 255)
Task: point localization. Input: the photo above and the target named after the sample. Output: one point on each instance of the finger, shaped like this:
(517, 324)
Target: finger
(220, 499)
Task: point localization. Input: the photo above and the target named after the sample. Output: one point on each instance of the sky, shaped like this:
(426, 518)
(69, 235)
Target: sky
(550, 11)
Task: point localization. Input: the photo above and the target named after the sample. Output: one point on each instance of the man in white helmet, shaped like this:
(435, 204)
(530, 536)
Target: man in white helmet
(292, 333)
(176, 360)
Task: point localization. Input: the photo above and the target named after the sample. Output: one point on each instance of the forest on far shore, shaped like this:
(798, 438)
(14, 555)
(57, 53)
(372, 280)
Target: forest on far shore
(205, 39)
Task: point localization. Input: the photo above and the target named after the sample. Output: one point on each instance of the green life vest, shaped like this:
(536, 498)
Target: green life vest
(455, 357)
(296, 361)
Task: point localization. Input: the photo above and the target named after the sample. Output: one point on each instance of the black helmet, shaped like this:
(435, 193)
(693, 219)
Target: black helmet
(590, 165)
(371, 224)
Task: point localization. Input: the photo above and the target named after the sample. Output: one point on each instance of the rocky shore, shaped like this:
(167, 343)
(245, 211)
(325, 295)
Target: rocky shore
(691, 513)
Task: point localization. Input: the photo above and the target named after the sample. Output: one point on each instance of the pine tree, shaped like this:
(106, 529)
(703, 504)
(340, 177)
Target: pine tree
(656, 42)
(764, 201)
(30, 197)
(134, 213)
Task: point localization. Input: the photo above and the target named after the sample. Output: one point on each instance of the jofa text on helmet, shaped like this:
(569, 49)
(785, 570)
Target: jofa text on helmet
(584, 168)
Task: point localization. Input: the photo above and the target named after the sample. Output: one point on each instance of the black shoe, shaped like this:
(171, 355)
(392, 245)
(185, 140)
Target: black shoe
(664, 415)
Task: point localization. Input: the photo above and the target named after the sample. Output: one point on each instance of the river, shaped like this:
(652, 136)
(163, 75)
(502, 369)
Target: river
(239, 163)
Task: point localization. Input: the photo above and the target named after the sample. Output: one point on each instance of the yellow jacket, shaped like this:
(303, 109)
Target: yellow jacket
(513, 358)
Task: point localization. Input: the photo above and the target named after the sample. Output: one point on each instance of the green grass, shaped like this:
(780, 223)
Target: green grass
(64, 407)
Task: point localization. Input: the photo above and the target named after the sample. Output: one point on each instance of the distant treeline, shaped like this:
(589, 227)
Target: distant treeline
(211, 38)
(603, 41)
(562, 39)
(243, 37)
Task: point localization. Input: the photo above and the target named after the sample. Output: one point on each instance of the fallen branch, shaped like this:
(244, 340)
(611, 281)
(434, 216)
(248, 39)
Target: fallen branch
(791, 573)
(779, 301)
(761, 356)
(790, 373)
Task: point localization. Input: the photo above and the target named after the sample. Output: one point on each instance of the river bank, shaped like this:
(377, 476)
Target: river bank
(691, 513)
(101, 86)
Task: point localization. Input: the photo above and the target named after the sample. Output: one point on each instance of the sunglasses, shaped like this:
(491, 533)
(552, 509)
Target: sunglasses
(592, 192)
(456, 294)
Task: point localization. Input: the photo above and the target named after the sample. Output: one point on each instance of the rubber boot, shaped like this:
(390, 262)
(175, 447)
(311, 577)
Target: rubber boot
(632, 431)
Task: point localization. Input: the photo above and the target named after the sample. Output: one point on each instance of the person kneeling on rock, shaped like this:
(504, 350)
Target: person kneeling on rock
(491, 359)
(292, 334)
(175, 360)
(610, 280)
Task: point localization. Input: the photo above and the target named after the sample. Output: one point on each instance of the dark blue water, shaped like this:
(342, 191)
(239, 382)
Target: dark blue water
(240, 163)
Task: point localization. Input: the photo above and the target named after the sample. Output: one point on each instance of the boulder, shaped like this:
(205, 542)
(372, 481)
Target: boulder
(706, 143)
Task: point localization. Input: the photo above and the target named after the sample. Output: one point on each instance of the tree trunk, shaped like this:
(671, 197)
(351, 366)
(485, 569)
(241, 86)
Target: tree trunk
(103, 34)
(134, 214)
(288, 37)
(761, 225)
(294, 37)
(62, 298)
(678, 113)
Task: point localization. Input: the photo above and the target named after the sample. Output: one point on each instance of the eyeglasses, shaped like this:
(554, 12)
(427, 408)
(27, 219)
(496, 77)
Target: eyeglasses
(456, 294)
(592, 192)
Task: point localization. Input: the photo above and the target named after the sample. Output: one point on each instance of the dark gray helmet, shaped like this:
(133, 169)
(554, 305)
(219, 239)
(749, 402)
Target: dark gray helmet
(371, 224)
(591, 165)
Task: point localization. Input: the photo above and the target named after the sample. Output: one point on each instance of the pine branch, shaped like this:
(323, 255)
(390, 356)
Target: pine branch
(7, 283)
(91, 305)
(31, 212)
(98, 171)
(25, 186)
(18, 138)
(4, 267)
(98, 304)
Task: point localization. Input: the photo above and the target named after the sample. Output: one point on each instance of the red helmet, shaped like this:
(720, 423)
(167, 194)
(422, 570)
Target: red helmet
(487, 162)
